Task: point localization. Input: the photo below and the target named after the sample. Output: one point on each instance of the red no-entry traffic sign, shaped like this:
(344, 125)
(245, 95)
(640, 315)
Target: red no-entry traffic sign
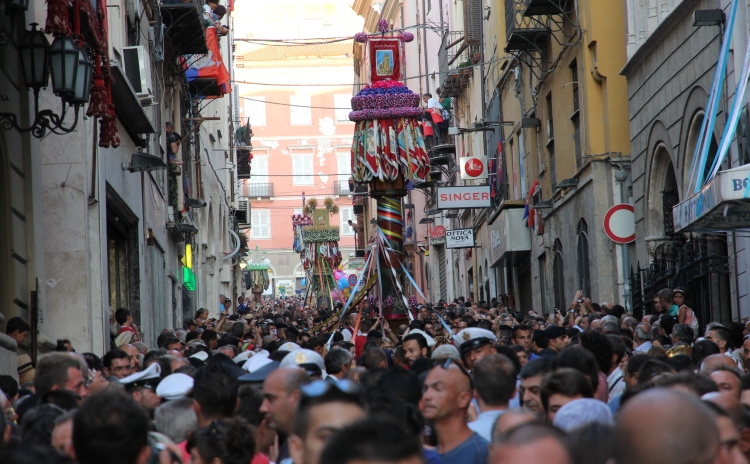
(619, 223)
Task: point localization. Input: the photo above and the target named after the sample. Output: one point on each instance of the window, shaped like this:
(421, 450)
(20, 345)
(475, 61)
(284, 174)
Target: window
(575, 118)
(346, 215)
(259, 172)
(551, 143)
(261, 221)
(344, 164)
(299, 110)
(302, 168)
(584, 273)
(255, 109)
(543, 283)
(343, 105)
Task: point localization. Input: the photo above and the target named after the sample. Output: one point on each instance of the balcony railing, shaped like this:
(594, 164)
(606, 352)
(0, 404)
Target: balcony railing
(455, 60)
(524, 33)
(185, 33)
(341, 187)
(257, 190)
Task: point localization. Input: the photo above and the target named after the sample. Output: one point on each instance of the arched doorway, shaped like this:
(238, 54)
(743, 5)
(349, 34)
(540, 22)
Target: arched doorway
(662, 196)
(696, 121)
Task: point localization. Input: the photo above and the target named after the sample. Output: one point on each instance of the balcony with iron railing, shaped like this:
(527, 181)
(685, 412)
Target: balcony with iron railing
(257, 190)
(341, 187)
(455, 60)
(185, 27)
(526, 32)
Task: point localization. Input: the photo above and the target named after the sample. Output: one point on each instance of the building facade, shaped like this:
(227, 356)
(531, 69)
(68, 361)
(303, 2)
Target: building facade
(297, 98)
(100, 218)
(670, 68)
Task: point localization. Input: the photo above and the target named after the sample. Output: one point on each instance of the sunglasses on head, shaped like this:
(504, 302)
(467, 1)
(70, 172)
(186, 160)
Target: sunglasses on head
(446, 364)
(319, 388)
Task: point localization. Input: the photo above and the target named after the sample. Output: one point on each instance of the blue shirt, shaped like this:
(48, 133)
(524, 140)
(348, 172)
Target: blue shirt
(472, 451)
(484, 423)
(431, 457)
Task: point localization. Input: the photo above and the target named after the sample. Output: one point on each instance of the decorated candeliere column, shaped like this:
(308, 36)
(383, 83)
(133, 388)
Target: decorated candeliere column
(257, 272)
(318, 246)
(388, 153)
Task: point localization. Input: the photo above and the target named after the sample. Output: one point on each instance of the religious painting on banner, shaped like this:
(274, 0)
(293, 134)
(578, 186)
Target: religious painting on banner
(385, 60)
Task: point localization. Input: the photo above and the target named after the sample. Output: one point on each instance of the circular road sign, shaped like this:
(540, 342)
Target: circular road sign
(619, 223)
(474, 167)
(352, 280)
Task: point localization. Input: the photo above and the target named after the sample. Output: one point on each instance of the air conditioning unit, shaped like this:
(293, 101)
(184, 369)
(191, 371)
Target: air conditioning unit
(138, 69)
(244, 206)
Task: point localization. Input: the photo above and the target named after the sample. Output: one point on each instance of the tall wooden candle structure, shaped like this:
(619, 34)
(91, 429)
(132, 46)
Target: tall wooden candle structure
(388, 152)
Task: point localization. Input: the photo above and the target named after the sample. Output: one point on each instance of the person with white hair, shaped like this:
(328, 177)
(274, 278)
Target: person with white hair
(446, 351)
(582, 412)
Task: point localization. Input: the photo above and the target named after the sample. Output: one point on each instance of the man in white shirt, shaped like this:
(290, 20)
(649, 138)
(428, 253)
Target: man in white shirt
(494, 379)
(429, 101)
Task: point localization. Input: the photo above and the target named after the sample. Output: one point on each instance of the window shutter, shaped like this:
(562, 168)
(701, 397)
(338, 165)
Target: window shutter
(346, 216)
(473, 22)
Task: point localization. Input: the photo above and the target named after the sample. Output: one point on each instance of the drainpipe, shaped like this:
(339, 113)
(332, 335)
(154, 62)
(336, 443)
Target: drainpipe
(623, 179)
(426, 63)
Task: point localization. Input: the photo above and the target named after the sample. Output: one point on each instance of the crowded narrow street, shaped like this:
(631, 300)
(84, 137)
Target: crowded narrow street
(374, 232)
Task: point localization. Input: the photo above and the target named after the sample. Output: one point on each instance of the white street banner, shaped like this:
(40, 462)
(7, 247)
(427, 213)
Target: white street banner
(459, 238)
(465, 197)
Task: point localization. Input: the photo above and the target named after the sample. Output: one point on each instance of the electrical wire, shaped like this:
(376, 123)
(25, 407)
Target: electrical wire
(326, 40)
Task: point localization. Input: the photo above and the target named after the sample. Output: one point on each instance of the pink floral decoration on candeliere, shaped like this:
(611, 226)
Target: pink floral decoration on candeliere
(407, 36)
(383, 26)
(361, 37)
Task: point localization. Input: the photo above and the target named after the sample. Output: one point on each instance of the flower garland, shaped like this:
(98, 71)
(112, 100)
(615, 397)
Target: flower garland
(385, 113)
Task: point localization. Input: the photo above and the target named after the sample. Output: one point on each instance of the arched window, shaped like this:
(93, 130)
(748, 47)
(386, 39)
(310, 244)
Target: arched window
(559, 275)
(584, 272)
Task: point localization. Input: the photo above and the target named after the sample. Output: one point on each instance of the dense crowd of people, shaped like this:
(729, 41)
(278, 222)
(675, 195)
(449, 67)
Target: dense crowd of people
(465, 382)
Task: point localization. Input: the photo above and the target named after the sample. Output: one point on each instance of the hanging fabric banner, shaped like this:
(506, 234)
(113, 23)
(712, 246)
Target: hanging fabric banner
(385, 59)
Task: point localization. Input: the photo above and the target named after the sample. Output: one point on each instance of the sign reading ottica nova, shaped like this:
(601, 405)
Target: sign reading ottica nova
(459, 238)
(464, 197)
(722, 204)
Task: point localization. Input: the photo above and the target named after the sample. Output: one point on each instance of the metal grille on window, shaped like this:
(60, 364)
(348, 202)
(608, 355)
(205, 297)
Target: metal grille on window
(577, 139)
(669, 199)
(559, 276)
(584, 273)
(552, 173)
(443, 273)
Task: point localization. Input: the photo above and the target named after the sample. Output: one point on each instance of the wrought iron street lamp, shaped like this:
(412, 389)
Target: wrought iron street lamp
(71, 80)
(17, 5)
(82, 88)
(34, 51)
(63, 61)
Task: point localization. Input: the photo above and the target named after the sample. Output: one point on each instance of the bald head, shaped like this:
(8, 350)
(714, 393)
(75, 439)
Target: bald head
(509, 420)
(713, 362)
(531, 443)
(661, 425)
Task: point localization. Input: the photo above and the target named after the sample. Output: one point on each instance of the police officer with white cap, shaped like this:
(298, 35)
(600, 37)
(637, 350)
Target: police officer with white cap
(308, 360)
(174, 386)
(142, 387)
(474, 344)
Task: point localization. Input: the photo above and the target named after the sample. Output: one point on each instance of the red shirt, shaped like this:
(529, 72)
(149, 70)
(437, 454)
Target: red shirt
(359, 345)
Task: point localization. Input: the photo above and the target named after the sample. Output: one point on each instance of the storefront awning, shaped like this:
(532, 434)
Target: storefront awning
(510, 239)
(722, 204)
